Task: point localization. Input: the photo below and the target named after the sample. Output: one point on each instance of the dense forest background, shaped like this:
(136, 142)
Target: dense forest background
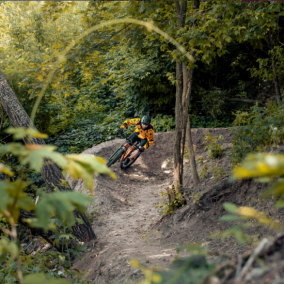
(124, 70)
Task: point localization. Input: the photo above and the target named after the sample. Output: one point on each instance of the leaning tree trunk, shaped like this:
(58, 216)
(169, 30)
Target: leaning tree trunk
(51, 173)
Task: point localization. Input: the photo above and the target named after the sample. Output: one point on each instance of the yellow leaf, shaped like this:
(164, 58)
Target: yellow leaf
(5, 170)
(33, 147)
(135, 263)
(157, 278)
(40, 77)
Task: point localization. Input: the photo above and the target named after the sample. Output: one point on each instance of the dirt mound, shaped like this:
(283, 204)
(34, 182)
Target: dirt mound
(128, 225)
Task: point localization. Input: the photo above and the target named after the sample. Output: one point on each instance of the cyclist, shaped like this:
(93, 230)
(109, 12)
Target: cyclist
(144, 134)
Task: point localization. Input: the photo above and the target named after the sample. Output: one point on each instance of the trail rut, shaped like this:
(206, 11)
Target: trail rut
(126, 214)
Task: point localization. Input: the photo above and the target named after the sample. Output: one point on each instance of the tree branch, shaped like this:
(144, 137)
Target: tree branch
(243, 100)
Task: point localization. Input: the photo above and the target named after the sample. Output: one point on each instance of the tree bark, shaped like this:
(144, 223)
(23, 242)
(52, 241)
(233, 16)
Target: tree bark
(191, 154)
(180, 92)
(178, 158)
(51, 173)
(244, 100)
(183, 92)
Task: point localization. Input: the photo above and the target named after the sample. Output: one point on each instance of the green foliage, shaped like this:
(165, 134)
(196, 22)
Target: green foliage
(60, 204)
(257, 130)
(203, 172)
(218, 172)
(196, 197)
(263, 167)
(167, 207)
(163, 123)
(214, 148)
(193, 269)
(213, 101)
(242, 214)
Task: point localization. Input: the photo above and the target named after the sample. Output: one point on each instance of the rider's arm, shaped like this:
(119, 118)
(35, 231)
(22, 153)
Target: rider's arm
(130, 122)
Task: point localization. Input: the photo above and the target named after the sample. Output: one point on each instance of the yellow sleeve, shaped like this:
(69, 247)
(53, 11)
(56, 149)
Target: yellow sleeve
(130, 122)
(150, 139)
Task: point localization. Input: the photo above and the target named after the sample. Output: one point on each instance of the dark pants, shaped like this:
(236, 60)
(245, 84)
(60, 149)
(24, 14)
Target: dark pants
(134, 137)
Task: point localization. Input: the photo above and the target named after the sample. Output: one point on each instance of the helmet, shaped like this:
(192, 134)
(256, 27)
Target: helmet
(146, 119)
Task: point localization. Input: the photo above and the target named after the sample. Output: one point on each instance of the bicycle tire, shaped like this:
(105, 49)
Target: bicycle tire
(116, 156)
(124, 167)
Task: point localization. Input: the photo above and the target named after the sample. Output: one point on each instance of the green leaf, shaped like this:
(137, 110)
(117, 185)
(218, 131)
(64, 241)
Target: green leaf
(229, 218)
(84, 166)
(62, 204)
(40, 278)
(279, 204)
(232, 208)
(20, 133)
(8, 247)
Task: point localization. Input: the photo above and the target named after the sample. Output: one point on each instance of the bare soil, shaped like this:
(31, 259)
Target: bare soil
(129, 226)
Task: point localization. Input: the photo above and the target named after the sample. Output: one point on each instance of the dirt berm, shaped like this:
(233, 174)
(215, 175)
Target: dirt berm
(129, 226)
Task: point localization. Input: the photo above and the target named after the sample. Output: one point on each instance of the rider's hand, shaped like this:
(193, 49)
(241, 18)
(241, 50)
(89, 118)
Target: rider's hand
(120, 131)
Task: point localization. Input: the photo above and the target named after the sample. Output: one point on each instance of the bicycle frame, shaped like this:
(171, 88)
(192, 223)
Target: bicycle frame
(129, 150)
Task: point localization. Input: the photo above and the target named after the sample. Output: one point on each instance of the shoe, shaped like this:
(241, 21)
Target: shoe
(126, 161)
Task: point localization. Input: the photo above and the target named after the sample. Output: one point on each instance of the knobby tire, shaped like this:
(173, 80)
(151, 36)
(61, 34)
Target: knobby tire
(116, 156)
(124, 167)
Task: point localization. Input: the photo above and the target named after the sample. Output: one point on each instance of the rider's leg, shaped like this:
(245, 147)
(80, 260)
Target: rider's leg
(137, 151)
(133, 137)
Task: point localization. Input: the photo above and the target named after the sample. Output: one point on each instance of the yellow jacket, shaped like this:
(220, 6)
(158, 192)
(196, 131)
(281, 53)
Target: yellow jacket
(143, 133)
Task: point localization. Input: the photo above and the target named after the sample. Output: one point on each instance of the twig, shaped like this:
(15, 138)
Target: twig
(239, 267)
(160, 220)
(251, 259)
(111, 36)
(36, 201)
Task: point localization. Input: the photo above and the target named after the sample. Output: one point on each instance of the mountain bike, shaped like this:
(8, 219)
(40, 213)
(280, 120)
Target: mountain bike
(123, 153)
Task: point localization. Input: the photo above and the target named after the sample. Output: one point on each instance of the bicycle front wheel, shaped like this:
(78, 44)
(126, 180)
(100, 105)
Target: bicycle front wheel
(115, 157)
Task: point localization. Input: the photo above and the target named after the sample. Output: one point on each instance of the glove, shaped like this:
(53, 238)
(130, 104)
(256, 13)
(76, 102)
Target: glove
(120, 131)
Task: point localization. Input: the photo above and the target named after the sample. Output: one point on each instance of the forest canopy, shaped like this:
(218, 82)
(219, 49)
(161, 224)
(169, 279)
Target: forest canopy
(125, 70)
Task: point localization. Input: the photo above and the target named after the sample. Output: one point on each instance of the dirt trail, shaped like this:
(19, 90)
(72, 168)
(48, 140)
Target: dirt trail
(126, 206)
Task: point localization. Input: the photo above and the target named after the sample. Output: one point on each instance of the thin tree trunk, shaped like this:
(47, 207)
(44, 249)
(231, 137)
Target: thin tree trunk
(51, 173)
(178, 158)
(191, 154)
(179, 136)
(183, 91)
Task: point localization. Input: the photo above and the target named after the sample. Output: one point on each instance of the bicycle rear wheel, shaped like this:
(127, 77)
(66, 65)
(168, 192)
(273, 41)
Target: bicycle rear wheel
(116, 156)
(125, 166)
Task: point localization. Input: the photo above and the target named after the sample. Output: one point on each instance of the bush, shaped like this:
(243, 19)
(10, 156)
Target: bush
(257, 130)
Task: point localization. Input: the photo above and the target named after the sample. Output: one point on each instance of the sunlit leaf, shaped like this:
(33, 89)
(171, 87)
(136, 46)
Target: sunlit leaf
(232, 208)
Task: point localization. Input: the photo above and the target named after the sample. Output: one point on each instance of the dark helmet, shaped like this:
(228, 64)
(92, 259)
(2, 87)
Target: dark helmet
(146, 119)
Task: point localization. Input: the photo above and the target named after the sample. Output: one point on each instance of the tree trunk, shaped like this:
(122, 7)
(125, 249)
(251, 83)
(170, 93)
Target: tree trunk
(183, 92)
(178, 158)
(51, 173)
(179, 136)
(191, 154)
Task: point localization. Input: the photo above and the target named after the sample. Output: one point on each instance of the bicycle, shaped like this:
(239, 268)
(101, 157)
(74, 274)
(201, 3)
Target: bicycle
(122, 153)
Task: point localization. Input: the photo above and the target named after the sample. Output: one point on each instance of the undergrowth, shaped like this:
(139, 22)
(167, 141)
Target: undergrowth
(257, 130)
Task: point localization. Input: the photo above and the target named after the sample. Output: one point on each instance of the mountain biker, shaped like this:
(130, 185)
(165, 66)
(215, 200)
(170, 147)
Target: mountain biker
(144, 134)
